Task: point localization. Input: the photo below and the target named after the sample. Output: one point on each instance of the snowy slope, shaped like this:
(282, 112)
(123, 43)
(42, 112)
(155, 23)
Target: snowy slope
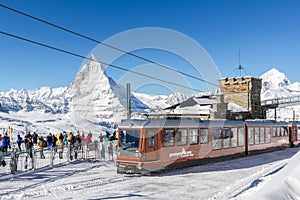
(275, 84)
(99, 180)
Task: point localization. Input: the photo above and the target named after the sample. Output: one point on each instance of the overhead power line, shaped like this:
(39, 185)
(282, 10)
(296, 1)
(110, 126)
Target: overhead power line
(104, 63)
(104, 44)
(107, 45)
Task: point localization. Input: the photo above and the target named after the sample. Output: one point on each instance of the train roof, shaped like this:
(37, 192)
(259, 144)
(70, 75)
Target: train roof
(193, 122)
(182, 122)
(265, 123)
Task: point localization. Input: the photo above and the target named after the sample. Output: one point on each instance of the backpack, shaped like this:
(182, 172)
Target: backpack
(45, 143)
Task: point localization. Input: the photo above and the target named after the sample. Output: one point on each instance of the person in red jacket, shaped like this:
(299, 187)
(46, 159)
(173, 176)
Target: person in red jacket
(88, 139)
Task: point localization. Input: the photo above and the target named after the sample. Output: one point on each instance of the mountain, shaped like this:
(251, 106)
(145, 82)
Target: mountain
(44, 100)
(93, 100)
(97, 97)
(275, 84)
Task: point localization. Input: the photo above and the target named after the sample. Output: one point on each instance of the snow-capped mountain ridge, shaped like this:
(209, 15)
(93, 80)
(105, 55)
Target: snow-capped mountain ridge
(94, 98)
(275, 84)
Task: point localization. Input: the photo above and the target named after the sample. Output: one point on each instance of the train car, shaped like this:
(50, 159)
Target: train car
(153, 145)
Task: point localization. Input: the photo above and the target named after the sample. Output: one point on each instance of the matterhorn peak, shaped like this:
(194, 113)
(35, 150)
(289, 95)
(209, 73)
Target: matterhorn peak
(94, 65)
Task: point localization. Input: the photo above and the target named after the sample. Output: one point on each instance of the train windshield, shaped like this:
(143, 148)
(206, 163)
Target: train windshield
(129, 139)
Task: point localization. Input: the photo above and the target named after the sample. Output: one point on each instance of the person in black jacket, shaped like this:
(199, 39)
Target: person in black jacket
(35, 138)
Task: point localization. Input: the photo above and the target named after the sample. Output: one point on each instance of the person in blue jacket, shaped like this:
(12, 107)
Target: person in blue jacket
(5, 143)
(19, 142)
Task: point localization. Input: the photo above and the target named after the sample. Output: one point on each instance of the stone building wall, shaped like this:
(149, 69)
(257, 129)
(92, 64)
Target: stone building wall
(245, 92)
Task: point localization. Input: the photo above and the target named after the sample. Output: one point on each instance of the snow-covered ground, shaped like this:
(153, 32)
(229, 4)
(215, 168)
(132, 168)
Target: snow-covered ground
(243, 178)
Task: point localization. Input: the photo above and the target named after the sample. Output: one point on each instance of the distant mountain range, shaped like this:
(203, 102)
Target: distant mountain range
(95, 100)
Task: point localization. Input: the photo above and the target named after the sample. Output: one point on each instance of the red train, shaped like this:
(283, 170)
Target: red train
(152, 145)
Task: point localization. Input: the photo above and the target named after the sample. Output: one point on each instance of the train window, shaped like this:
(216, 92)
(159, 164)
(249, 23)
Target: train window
(262, 135)
(227, 136)
(268, 135)
(168, 136)
(217, 138)
(129, 138)
(256, 135)
(282, 131)
(278, 131)
(285, 131)
(193, 136)
(204, 135)
(234, 137)
(151, 136)
(181, 137)
(274, 131)
(241, 137)
(251, 136)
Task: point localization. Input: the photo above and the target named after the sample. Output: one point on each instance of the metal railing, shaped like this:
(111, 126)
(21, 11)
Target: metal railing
(15, 162)
(277, 101)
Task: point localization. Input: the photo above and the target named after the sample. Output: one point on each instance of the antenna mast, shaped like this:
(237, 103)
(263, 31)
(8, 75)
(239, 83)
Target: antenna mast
(240, 66)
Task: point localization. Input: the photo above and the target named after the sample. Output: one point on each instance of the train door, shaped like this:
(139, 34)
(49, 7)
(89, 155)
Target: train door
(151, 150)
(293, 134)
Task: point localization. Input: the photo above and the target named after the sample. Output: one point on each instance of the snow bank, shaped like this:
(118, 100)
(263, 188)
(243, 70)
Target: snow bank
(283, 185)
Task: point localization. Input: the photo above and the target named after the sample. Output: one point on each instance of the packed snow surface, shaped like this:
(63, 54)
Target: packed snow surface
(243, 178)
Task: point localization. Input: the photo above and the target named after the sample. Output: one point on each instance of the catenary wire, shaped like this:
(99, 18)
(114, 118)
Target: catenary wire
(104, 63)
(113, 66)
(107, 45)
(110, 46)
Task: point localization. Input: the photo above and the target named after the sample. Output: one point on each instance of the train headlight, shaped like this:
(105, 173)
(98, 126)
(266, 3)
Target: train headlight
(138, 154)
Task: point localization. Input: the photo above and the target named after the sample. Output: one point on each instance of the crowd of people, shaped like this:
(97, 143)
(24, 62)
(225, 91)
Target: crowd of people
(56, 142)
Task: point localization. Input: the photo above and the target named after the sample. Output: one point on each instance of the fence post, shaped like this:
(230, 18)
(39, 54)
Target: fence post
(51, 156)
(33, 161)
(68, 152)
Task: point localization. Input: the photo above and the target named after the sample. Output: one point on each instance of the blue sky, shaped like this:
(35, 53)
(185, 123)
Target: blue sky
(267, 32)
